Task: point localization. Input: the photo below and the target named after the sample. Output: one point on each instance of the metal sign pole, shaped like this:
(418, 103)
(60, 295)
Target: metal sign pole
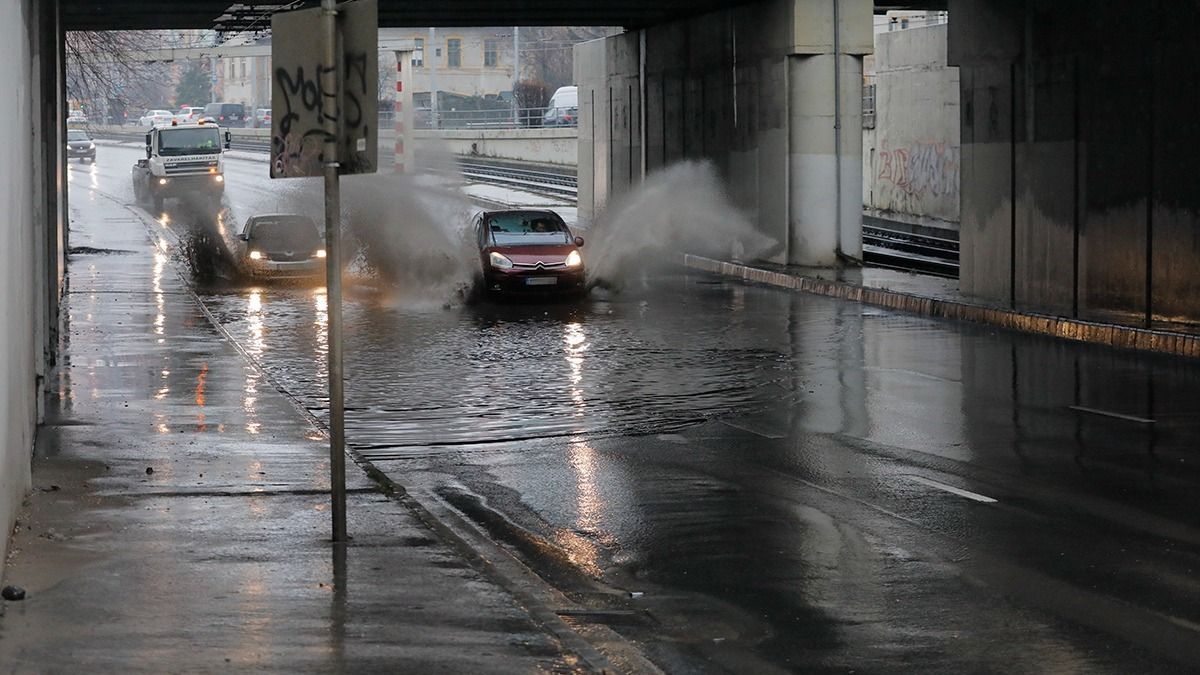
(331, 105)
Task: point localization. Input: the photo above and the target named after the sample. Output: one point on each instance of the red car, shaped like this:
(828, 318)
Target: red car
(528, 252)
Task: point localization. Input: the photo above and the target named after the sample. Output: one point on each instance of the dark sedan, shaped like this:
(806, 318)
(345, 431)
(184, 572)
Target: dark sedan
(280, 246)
(528, 252)
(80, 146)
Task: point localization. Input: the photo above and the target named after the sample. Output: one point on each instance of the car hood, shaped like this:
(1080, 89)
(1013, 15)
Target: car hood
(531, 255)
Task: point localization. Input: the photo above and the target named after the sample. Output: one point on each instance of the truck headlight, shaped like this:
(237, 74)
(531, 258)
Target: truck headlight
(256, 255)
(498, 261)
(320, 253)
(574, 259)
(162, 181)
(219, 178)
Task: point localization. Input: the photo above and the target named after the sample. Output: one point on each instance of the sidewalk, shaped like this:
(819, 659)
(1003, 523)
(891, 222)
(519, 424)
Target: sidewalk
(939, 297)
(179, 516)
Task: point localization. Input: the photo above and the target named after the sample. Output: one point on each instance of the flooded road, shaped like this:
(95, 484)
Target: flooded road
(744, 479)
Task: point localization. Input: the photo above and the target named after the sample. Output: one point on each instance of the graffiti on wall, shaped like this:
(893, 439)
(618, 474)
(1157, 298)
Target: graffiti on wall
(920, 179)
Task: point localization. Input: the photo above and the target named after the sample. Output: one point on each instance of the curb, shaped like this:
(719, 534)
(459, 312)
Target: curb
(1075, 330)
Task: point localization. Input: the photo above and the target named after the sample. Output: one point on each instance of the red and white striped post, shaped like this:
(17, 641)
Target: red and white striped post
(404, 112)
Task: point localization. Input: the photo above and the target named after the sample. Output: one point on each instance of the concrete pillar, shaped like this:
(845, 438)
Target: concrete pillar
(825, 130)
(751, 90)
(402, 160)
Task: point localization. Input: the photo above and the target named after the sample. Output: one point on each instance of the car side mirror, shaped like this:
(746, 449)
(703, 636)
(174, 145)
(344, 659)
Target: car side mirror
(579, 242)
(244, 237)
(228, 139)
(149, 153)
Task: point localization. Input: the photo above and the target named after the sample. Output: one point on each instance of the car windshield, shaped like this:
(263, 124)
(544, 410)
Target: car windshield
(285, 232)
(75, 135)
(526, 228)
(189, 141)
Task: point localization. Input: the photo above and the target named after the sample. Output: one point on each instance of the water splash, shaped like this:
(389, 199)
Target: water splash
(680, 209)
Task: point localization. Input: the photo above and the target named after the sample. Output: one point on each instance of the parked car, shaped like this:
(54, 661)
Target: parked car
(262, 117)
(189, 114)
(226, 114)
(281, 246)
(76, 117)
(563, 108)
(153, 118)
(528, 251)
(80, 145)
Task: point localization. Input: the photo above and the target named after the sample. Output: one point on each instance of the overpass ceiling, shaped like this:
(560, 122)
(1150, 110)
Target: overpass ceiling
(222, 15)
(251, 15)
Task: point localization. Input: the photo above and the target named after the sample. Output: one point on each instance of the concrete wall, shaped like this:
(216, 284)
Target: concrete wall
(912, 156)
(607, 73)
(751, 90)
(1078, 123)
(541, 146)
(30, 260)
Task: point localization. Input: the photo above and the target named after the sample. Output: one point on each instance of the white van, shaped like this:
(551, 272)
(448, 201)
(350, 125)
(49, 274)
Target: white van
(563, 109)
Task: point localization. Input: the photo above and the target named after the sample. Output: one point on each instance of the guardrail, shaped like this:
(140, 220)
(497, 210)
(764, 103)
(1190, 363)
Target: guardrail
(499, 118)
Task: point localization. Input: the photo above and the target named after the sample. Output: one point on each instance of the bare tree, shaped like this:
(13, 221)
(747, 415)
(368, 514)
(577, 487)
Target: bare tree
(104, 76)
(547, 54)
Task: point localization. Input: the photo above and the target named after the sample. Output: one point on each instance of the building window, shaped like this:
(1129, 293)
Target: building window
(229, 69)
(243, 69)
(489, 53)
(454, 53)
(418, 57)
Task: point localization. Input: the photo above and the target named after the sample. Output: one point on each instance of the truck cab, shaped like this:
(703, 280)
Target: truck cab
(181, 160)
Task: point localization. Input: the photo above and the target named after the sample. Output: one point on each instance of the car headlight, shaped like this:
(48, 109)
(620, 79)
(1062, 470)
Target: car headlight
(498, 261)
(574, 259)
(219, 178)
(320, 253)
(91, 146)
(162, 181)
(256, 255)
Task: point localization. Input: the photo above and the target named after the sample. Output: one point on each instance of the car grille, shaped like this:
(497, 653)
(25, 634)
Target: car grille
(539, 265)
(288, 256)
(177, 168)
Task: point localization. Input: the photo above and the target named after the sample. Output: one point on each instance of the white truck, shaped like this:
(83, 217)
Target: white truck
(181, 160)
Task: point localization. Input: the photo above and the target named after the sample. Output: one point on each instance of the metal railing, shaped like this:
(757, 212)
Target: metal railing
(500, 118)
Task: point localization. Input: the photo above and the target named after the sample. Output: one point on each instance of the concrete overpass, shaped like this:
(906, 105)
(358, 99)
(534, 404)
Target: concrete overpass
(1077, 126)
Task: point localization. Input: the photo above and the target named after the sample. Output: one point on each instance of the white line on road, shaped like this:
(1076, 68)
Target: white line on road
(1105, 413)
(952, 490)
(749, 429)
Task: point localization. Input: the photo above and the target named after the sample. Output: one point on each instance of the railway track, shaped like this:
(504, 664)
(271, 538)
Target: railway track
(545, 182)
(897, 249)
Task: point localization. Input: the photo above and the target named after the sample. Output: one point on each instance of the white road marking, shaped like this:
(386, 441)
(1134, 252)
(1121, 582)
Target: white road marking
(952, 490)
(1105, 413)
(752, 430)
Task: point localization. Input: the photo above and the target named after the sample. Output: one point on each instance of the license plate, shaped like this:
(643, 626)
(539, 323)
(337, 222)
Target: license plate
(541, 281)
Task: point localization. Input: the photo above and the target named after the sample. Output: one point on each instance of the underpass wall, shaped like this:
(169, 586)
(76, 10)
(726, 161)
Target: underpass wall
(769, 93)
(1078, 126)
(23, 256)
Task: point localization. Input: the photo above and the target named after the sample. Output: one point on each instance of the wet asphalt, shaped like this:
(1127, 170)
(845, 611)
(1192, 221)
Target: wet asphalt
(744, 479)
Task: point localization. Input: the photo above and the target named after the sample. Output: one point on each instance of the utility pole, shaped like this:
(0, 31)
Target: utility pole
(516, 74)
(333, 268)
(431, 53)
